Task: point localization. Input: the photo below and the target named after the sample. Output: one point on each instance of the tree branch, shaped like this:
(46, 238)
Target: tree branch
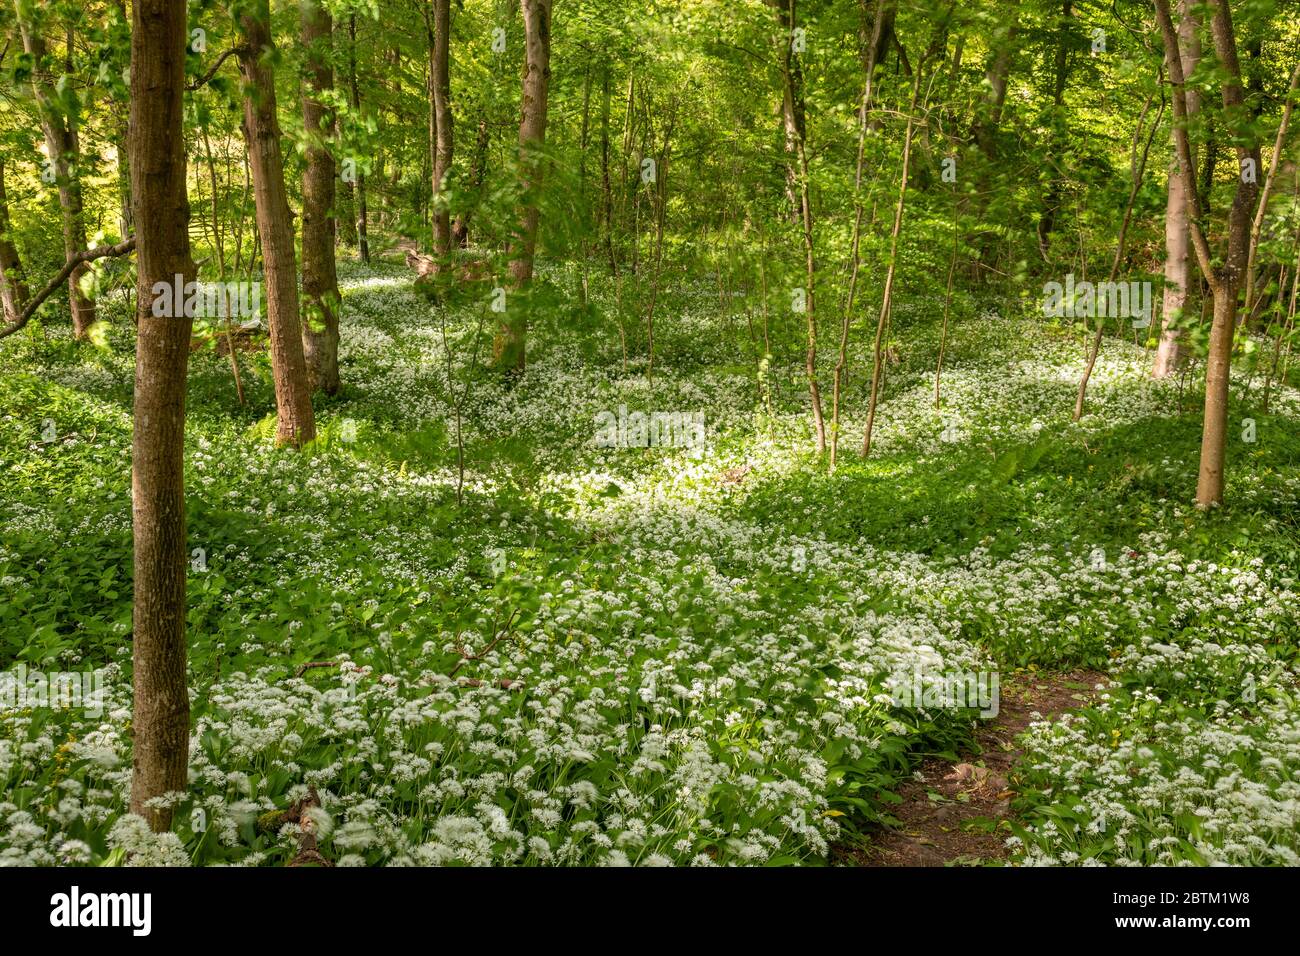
(212, 70)
(86, 255)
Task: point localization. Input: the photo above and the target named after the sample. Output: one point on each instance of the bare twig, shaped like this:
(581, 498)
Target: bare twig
(303, 668)
(504, 633)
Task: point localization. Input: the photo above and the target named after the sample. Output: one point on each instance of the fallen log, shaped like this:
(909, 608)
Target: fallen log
(308, 847)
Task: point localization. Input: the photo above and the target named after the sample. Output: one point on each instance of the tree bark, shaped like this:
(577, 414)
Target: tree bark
(1171, 354)
(795, 131)
(606, 190)
(793, 117)
(161, 717)
(887, 294)
(320, 287)
(1261, 210)
(509, 347)
(1225, 281)
(988, 118)
(1138, 173)
(855, 258)
(296, 424)
(477, 174)
(1232, 274)
(660, 208)
(1061, 72)
(13, 282)
(440, 80)
(359, 187)
(63, 150)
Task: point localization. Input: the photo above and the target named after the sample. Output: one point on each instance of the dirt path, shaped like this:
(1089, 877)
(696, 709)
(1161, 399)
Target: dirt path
(950, 816)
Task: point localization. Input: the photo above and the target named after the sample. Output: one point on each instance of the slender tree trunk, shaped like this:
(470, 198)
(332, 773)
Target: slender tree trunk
(320, 287)
(1052, 198)
(440, 80)
(661, 208)
(855, 258)
(63, 151)
(121, 133)
(243, 215)
(795, 139)
(1286, 329)
(161, 717)
(887, 295)
(509, 347)
(345, 191)
(1171, 354)
(363, 225)
(219, 244)
(607, 193)
(793, 118)
(997, 75)
(13, 283)
(296, 424)
(218, 239)
(1231, 276)
(1261, 210)
(1138, 172)
(477, 174)
(947, 310)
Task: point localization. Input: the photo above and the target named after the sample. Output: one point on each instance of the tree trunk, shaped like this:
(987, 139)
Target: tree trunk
(947, 308)
(1226, 280)
(320, 287)
(793, 118)
(606, 190)
(362, 220)
(121, 133)
(477, 173)
(161, 717)
(1171, 355)
(1061, 72)
(660, 210)
(345, 191)
(509, 348)
(887, 295)
(855, 258)
(63, 151)
(988, 118)
(793, 99)
(1261, 210)
(13, 284)
(1138, 173)
(1232, 274)
(296, 424)
(440, 80)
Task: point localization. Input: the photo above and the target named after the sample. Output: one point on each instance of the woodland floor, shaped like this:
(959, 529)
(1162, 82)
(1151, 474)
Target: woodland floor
(665, 655)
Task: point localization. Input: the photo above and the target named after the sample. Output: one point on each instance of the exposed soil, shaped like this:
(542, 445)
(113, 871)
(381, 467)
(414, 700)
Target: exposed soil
(952, 815)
